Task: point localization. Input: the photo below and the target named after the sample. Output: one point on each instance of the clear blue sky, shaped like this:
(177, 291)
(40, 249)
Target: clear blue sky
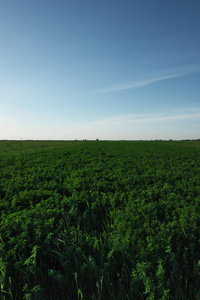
(107, 69)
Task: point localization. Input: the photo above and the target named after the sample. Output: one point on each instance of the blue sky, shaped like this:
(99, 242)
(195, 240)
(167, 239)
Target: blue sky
(99, 69)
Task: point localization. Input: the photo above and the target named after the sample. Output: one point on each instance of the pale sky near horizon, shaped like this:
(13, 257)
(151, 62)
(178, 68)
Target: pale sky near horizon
(90, 69)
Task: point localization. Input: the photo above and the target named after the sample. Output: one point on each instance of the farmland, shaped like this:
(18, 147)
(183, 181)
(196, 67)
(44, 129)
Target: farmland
(100, 220)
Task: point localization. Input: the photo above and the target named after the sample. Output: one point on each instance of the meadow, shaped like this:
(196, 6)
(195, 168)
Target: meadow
(99, 220)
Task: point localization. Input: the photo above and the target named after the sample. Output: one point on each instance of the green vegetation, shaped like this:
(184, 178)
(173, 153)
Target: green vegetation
(99, 220)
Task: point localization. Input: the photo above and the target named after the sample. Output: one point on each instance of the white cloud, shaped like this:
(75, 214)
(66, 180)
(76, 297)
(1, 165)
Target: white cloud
(164, 75)
(142, 126)
(177, 125)
(146, 118)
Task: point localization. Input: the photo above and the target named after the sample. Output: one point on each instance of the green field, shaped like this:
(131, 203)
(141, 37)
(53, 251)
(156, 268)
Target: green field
(99, 220)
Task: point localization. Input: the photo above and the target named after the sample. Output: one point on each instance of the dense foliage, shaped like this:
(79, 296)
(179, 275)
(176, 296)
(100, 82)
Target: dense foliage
(100, 220)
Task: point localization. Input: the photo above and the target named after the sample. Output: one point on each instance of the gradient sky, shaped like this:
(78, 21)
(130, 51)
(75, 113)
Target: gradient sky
(107, 69)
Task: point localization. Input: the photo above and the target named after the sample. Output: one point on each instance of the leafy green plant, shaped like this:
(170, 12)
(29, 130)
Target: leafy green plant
(106, 220)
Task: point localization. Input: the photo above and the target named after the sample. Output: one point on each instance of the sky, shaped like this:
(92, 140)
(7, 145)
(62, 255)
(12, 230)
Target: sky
(106, 69)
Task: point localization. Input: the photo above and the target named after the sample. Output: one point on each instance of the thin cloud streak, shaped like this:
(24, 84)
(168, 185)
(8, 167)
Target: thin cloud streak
(142, 126)
(148, 118)
(148, 81)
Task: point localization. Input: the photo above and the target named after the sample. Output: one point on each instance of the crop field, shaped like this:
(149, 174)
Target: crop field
(99, 220)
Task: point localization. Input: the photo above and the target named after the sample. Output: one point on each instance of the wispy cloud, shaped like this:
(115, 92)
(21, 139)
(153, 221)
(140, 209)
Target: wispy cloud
(152, 79)
(148, 118)
(143, 126)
